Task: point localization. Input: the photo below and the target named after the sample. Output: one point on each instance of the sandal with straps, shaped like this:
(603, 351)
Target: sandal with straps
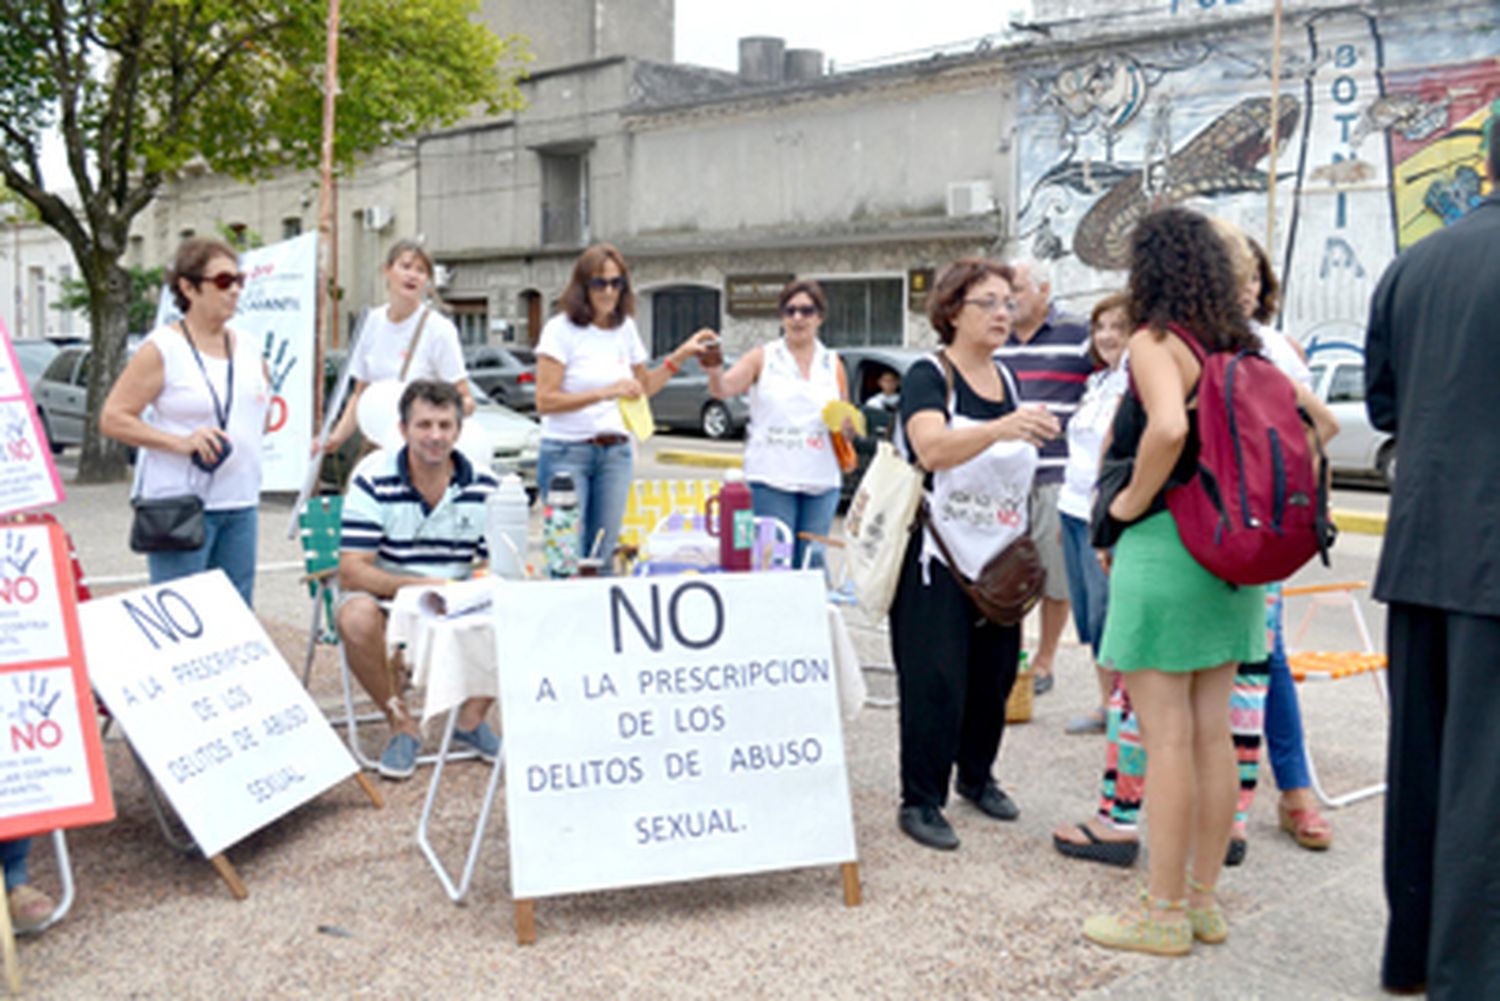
(1139, 932)
(1307, 827)
(1208, 924)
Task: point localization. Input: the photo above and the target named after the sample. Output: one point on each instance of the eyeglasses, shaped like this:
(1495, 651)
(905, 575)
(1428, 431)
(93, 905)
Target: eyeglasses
(221, 281)
(600, 284)
(992, 305)
(804, 311)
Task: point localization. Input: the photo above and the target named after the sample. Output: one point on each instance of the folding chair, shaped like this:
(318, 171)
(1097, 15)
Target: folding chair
(1324, 666)
(319, 526)
(651, 501)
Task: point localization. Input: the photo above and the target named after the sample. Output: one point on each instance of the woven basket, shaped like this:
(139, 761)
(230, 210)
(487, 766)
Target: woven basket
(1018, 707)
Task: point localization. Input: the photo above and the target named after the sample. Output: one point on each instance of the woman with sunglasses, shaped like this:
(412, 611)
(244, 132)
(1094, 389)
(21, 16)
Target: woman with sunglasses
(403, 340)
(588, 358)
(789, 459)
(208, 391)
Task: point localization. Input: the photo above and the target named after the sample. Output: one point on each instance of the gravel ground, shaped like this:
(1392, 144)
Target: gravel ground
(343, 904)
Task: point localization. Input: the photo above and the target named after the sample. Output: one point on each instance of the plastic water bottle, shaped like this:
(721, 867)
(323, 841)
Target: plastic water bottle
(730, 518)
(505, 518)
(560, 526)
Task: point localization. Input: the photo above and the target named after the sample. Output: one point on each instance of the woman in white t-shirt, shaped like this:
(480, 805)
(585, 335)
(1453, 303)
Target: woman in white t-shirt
(405, 325)
(208, 391)
(789, 459)
(589, 357)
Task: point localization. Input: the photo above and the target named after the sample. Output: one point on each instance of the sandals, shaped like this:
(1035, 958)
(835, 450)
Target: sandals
(1119, 853)
(1306, 826)
(1208, 924)
(1139, 932)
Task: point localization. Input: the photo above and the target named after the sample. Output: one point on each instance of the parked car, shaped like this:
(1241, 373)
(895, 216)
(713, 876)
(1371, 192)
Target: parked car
(863, 367)
(32, 357)
(61, 396)
(502, 373)
(1358, 449)
(685, 403)
(515, 438)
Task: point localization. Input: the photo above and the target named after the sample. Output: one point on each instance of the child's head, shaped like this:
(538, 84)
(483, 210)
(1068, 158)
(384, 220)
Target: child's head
(889, 382)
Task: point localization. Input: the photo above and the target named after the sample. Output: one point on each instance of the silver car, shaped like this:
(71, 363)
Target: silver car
(1358, 449)
(504, 374)
(685, 403)
(61, 396)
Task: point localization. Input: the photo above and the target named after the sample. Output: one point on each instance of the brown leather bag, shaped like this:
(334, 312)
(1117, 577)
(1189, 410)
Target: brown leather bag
(1009, 585)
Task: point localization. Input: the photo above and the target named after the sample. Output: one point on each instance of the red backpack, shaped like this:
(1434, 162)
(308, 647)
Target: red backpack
(1257, 508)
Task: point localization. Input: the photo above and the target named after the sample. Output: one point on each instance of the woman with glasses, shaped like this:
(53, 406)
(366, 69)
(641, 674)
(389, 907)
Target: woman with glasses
(960, 422)
(404, 340)
(789, 459)
(208, 391)
(589, 357)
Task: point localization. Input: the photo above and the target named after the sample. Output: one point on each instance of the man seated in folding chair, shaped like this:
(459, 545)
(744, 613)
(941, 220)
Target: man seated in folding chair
(413, 515)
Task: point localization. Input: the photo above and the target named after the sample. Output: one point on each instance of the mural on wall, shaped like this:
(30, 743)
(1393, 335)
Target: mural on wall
(1378, 127)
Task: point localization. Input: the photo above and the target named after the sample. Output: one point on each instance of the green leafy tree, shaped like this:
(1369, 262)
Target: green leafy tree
(140, 312)
(137, 89)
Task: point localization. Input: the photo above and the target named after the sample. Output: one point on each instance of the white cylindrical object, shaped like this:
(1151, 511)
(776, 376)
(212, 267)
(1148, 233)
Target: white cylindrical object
(505, 519)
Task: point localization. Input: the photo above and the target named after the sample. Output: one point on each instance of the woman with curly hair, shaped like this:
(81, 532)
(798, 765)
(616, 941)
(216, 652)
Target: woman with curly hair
(1175, 630)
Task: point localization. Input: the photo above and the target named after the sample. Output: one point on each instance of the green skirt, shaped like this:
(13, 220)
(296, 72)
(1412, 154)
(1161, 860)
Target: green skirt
(1167, 613)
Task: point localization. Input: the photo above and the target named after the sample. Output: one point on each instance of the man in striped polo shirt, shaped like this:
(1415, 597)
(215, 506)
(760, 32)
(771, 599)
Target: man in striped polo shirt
(1048, 352)
(413, 515)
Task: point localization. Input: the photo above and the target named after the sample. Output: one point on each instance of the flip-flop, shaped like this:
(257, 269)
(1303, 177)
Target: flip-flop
(1041, 684)
(1117, 853)
(1094, 722)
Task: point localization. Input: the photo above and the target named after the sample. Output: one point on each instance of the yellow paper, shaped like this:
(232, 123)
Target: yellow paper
(836, 411)
(636, 412)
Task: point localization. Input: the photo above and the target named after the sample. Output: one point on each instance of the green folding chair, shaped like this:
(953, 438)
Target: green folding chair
(319, 526)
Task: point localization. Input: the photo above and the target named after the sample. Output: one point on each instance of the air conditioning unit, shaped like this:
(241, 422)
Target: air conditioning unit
(442, 276)
(967, 198)
(378, 218)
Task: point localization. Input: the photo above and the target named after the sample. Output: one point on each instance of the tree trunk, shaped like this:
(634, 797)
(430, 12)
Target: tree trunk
(103, 460)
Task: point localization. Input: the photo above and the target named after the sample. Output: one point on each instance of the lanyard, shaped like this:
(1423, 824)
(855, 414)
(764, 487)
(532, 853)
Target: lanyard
(221, 412)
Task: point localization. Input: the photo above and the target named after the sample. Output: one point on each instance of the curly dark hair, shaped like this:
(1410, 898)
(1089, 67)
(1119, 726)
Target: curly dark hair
(1180, 272)
(1270, 289)
(948, 292)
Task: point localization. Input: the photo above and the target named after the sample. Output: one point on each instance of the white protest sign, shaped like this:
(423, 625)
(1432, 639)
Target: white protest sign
(661, 729)
(52, 771)
(28, 477)
(278, 310)
(210, 705)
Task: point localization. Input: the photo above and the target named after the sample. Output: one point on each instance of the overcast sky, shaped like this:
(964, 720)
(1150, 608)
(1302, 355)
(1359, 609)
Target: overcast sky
(848, 31)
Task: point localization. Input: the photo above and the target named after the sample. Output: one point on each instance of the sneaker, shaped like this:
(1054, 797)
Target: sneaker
(481, 739)
(399, 759)
(30, 908)
(990, 800)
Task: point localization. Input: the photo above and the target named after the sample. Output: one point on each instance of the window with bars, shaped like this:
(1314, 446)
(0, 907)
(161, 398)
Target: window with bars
(863, 311)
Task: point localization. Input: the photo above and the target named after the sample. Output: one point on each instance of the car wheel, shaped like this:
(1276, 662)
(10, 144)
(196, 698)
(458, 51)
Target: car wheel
(1385, 464)
(716, 421)
(47, 433)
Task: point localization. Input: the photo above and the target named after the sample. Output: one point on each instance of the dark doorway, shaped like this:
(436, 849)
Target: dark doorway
(678, 311)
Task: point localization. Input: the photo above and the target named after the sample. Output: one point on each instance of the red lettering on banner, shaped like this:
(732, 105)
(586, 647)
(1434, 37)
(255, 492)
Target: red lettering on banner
(278, 414)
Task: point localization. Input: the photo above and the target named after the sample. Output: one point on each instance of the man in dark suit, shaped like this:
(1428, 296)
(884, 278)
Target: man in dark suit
(1432, 370)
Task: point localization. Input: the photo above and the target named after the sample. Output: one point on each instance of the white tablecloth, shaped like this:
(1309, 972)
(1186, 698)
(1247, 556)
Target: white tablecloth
(454, 659)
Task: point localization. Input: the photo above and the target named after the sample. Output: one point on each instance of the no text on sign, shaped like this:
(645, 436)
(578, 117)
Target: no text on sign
(662, 729)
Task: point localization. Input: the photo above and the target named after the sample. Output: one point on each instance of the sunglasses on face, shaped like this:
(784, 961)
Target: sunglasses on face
(222, 281)
(790, 311)
(600, 284)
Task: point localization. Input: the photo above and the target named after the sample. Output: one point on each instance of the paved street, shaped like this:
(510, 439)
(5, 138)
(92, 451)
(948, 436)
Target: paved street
(342, 903)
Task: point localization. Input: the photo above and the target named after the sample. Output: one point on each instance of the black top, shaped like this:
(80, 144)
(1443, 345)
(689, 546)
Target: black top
(925, 388)
(1432, 362)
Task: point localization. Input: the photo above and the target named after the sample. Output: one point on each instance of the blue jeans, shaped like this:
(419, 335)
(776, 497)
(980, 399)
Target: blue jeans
(798, 511)
(601, 475)
(1088, 587)
(1284, 742)
(229, 545)
(13, 858)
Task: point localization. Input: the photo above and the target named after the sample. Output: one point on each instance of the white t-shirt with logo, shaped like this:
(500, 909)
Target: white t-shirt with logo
(592, 358)
(383, 345)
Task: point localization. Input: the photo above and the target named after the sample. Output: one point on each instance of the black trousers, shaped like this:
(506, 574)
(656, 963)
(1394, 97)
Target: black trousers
(1442, 853)
(954, 672)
